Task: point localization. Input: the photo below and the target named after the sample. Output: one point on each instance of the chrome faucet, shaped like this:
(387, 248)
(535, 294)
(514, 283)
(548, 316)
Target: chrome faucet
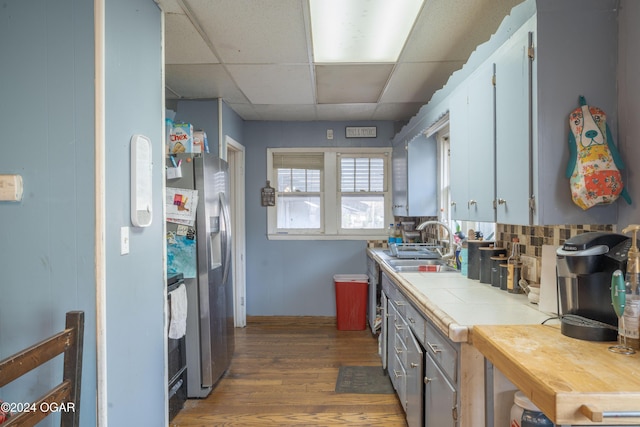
(451, 253)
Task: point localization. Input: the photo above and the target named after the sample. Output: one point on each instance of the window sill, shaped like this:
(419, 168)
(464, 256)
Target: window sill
(325, 237)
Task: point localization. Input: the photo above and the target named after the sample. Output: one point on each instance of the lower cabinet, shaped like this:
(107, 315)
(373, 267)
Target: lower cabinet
(422, 363)
(414, 371)
(440, 397)
(373, 314)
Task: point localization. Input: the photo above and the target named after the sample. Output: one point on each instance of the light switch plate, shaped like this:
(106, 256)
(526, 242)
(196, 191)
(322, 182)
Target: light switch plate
(10, 188)
(124, 240)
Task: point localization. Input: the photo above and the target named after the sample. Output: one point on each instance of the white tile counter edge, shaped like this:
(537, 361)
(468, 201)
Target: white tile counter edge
(455, 303)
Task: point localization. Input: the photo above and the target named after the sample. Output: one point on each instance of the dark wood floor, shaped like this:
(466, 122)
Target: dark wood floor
(284, 373)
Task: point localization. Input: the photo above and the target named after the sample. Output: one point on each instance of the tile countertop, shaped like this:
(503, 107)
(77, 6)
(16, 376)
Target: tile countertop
(455, 303)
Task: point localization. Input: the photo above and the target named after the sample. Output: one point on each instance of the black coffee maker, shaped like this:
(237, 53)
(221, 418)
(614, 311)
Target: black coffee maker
(585, 264)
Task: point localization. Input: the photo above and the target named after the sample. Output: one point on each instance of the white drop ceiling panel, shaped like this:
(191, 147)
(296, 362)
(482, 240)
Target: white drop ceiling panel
(338, 112)
(397, 111)
(349, 84)
(274, 84)
(257, 56)
(183, 44)
(254, 32)
(404, 87)
(170, 6)
(449, 30)
(246, 111)
(202, 81)
(286, 112)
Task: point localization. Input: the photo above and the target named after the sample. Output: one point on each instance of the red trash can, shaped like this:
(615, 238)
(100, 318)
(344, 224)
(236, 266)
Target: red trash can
(351, 301)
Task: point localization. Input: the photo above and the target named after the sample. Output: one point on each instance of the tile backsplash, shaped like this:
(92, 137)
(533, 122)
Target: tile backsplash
(533, 237)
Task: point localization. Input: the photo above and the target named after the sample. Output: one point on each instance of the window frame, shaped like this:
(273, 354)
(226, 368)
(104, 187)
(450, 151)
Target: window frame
(330, 196)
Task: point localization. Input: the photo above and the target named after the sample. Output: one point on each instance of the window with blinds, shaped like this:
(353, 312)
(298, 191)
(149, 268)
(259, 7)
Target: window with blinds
(298, 190)
(329, 192)
(362, 192)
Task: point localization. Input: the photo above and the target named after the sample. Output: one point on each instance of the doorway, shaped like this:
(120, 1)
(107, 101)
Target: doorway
(235, 158)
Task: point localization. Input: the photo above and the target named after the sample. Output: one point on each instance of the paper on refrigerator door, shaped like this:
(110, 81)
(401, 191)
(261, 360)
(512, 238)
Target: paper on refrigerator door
(181, 254)
(181, 205)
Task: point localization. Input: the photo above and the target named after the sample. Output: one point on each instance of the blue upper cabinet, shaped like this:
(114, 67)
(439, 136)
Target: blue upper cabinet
(509, 148)
(414, 169)
(421, 177)
(399, 171)
(565, 50)
(471, 112)
(513, 127)
(459, 155)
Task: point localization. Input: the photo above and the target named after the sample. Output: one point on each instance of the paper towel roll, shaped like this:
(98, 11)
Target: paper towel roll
(548, 287)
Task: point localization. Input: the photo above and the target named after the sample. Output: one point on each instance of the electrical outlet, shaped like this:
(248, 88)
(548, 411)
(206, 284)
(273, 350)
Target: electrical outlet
(530, 270)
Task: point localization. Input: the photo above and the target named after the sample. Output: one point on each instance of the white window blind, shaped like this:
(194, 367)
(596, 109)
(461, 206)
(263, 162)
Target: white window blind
(326, 193)
(359, 174)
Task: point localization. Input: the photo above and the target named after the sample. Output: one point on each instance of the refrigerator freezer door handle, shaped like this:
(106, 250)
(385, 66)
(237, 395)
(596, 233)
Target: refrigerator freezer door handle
(227, 230)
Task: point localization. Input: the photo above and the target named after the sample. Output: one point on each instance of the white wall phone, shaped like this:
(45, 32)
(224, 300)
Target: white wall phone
(141, 181)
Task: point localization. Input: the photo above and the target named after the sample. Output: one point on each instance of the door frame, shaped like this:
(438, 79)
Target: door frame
(236, 159)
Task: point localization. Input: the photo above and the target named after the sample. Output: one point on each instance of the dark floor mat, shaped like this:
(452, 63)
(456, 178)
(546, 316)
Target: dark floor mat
(363, 380)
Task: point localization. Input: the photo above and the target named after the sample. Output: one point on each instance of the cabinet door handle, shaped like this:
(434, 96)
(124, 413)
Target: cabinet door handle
(471, 202)
(502, 202)
(454, 413)
(411, 319)
(453, 203)
(414, 365)
(427, 380)
(398, 350)
(398, 327)
(434, 348)
(399, 303)
(397, 374)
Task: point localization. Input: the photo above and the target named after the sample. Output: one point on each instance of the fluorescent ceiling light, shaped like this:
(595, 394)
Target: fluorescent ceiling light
(361, 30)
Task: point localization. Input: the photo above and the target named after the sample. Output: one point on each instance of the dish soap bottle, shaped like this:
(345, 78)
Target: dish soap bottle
(632, 281)
(398, 234)
(391, 232)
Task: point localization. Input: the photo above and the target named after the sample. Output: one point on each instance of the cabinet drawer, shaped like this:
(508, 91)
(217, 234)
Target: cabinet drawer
(417, 323)
(390, 289)
(399, 378)
(442, 351)
(400, 349)
(397, 300)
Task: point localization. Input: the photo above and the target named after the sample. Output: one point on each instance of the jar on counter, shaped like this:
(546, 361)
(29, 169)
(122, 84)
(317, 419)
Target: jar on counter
(525, 414)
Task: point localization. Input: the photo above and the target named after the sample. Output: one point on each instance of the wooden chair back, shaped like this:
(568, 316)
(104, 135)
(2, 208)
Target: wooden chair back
(63, 398)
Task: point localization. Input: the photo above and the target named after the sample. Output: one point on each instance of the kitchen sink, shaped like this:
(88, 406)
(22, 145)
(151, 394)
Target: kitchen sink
(421, 265)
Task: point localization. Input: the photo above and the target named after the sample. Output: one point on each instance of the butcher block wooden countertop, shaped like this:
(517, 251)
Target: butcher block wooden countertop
(572, 381)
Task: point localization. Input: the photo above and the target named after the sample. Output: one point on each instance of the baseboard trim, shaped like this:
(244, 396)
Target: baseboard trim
(292, 320)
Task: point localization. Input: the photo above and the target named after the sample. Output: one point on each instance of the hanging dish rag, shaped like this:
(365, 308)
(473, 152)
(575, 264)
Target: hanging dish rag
(594, 161)
(178, 322)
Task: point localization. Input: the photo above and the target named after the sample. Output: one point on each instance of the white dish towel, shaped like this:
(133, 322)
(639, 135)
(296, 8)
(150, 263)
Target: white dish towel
(178, 322)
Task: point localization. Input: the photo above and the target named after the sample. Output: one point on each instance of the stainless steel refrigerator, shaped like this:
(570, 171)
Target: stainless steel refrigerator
(210, 323)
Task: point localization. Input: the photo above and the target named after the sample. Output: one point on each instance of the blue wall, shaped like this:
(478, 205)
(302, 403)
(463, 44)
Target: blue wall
(629, 109)
(47, 252)
(48, 239)
(203, 115)
(295, 277)
(232, 124)
(136, 290)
